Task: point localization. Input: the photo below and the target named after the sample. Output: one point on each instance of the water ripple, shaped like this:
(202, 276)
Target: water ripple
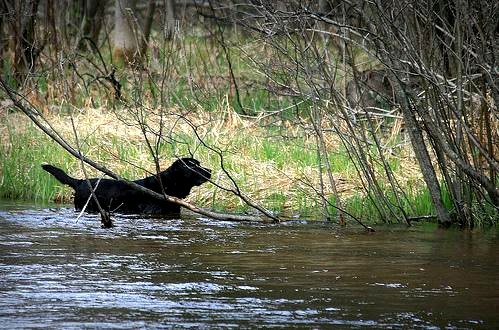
(60, 272)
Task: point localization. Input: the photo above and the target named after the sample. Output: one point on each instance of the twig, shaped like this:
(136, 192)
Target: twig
(236, 191)
(104, 215)
(422, 217)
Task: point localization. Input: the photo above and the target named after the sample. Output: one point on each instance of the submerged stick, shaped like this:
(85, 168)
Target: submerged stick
(105, 215)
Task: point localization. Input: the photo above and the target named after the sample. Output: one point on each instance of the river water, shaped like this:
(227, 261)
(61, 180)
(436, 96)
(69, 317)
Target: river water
(59, 272)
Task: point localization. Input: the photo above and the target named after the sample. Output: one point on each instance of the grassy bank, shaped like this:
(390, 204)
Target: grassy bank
(271, 155)
(276, 171)
(278, 114)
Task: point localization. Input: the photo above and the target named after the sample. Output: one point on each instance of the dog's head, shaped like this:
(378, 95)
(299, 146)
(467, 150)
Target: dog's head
(188, 171)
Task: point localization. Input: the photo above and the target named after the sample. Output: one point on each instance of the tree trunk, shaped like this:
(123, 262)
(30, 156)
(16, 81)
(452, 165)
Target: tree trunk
(421, 152)
(93, 15)
(125, 42)
(170, 19)
(3, 13)
(147, 26)
(22, 30)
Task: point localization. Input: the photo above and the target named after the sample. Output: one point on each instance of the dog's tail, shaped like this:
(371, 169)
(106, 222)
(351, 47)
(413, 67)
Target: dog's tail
(61, 175)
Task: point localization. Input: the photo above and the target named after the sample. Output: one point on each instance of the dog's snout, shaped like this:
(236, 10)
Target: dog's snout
(207, 172)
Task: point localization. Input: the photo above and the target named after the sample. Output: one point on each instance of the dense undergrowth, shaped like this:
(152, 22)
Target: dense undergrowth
(267, 142)
(276, 171)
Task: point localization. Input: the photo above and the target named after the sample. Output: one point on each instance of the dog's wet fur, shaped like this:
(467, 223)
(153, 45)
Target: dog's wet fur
(116, 196)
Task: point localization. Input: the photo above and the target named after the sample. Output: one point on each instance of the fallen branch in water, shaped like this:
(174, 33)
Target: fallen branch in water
(421, 217)
(235, 190)
(105, 216)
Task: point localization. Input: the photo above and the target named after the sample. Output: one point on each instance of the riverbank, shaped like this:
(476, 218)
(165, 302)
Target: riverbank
(274, 165)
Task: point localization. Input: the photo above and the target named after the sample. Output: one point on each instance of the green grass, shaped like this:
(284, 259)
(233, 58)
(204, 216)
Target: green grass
(23, 178)
(21, 174)
(26, 148)
(417, 203)
(249, 160)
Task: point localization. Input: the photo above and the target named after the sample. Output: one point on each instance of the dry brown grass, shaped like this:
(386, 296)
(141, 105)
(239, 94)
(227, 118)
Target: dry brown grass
(116, 140)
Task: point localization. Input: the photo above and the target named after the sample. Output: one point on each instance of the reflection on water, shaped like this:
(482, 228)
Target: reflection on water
(59, 272)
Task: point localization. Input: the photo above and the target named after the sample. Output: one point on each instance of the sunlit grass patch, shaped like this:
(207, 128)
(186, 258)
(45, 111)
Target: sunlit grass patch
(275, 170)
(21, 174)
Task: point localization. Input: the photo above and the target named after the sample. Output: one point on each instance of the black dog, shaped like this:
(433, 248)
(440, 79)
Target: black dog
(117, 196)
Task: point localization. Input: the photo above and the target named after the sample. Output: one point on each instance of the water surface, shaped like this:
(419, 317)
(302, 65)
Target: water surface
(56, 271)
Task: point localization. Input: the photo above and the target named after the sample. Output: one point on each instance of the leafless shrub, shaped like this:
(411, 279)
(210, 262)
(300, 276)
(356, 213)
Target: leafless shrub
(438, 66)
